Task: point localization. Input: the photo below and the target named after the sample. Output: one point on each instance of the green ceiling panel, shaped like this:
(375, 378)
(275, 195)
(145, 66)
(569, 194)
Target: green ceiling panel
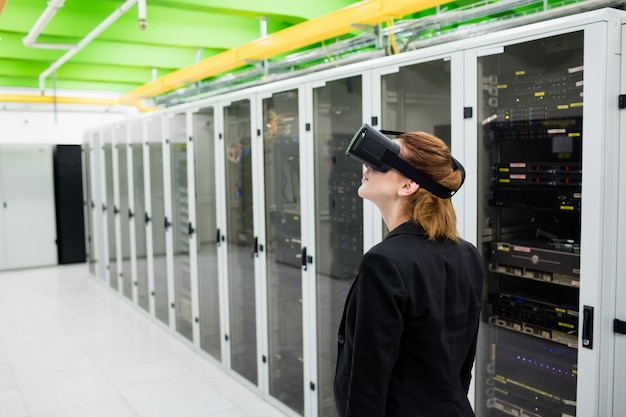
(145, 56)
(178, 34)
(12, 47)
(18, 68)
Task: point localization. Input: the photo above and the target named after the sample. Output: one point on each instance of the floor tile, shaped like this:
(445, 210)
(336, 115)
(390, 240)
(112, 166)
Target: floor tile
(109, 408)
(11, 404)
(40, 398)
(7, 381)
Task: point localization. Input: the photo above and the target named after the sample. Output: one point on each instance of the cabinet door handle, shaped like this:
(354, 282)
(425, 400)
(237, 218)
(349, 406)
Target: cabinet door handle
(587, 336)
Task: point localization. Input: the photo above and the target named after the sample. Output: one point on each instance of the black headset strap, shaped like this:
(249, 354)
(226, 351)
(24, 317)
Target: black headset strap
(419, 177)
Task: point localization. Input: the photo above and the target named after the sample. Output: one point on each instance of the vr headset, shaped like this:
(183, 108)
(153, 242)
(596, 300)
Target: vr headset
(373, 148)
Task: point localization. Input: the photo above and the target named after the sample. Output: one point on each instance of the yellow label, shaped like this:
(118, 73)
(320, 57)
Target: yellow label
(520, 72)
(568, 208)
(577, 104)
(569, 326)
(540, 94)
(562, 107)
(560, 310)
(505, 180)
(504, 170)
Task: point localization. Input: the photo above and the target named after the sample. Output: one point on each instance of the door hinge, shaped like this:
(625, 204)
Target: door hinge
(621, 103)
(619, 326)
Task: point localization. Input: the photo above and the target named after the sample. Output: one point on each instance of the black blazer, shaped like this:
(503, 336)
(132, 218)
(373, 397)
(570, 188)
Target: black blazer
(407, 337)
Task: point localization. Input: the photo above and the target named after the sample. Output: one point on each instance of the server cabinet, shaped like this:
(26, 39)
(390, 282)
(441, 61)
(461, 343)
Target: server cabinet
(284, 253)
(122, 209)
(157, 219)
(243, 246)
(546, 131)
(618, 377)
(139, 214)
(208, 234)
(109, 209)
(337, 113)
(418, 98)
(3, 255)
(98, 207)
(69, 204)
(88, 203)
(182, 227)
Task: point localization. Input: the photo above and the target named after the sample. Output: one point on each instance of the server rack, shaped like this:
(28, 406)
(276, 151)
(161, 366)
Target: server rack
(241, 239)
(122, 209)
(182, 225)
(284, 254)
(109, 209)
(543, 129)
(139, 214)
(208, 234)
(88, 203)
(337, 107)
(157, 218)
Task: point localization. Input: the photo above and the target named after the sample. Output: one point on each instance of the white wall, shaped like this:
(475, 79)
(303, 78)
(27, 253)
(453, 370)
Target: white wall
(39, 124)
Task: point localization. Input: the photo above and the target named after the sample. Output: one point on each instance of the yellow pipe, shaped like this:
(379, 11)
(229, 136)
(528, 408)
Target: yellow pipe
(32, 98)
(337, 23)
(39, 99)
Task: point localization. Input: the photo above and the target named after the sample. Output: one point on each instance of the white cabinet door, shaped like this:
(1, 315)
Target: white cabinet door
(3, 257)
(29, 229)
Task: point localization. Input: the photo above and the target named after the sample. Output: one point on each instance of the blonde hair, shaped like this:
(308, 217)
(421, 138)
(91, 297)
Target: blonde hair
(432, 156)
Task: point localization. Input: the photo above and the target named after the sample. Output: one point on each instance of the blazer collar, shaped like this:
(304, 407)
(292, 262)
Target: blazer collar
(408, 227)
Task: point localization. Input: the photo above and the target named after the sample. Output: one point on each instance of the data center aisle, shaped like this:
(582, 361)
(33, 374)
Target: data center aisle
(69, 347)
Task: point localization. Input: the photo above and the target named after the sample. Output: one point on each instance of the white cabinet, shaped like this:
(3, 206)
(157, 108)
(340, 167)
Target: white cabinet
(27, 212)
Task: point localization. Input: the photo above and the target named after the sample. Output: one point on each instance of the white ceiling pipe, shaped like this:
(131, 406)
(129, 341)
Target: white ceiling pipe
(30, 39)
(84, 42)
(143, 20)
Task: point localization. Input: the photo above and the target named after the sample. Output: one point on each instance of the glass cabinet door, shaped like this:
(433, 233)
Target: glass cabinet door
(337, 114)
(530, 175)
(240, 239)
(137, 146)
(417, 98)
(124, 211)
(88, 203)
(181, 227)
(109, 209)
(283, 240)
(206, 212)
(159, 222)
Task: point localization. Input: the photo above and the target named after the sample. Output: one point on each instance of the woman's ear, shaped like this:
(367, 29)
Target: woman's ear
(409, 187)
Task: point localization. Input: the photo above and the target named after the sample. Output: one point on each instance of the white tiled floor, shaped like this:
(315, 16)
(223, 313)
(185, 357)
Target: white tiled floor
(70, 347)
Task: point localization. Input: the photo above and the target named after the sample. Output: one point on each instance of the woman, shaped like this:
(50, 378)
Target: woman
(407, 337)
